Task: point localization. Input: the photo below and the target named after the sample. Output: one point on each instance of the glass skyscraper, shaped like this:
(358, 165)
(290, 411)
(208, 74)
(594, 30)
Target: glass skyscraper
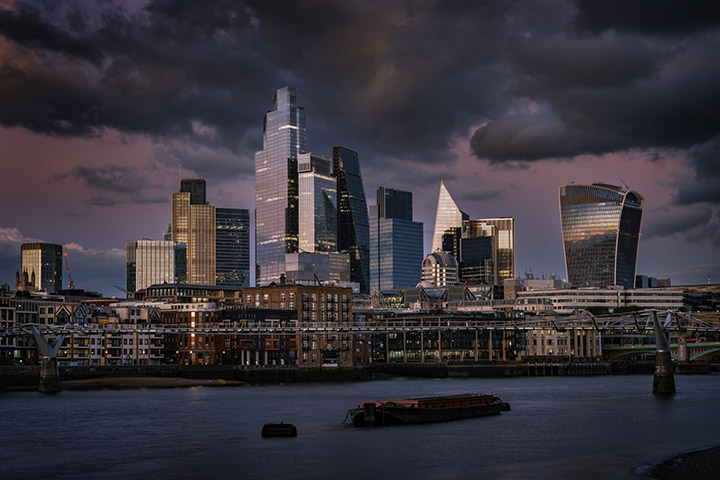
(353, 230)
(601, 230)
(503, 232)
(396, 242)
(317, 204)
(448, 216)
(43, 262)
(276, 189)
(232, 246)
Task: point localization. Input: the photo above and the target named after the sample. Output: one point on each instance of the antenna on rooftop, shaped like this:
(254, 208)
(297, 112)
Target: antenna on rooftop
(623, 182)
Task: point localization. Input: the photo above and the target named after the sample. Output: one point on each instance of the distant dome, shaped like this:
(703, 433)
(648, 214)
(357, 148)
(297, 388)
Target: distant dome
(440, 258)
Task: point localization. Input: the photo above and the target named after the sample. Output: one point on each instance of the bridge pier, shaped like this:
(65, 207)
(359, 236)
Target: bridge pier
(49, 373)
(663, 379)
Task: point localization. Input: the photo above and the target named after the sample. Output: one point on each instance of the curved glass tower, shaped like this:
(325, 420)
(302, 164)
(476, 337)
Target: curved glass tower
(600, 229)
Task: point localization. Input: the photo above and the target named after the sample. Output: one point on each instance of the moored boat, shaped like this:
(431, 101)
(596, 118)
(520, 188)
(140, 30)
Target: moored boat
(415, 410)
(279, 430)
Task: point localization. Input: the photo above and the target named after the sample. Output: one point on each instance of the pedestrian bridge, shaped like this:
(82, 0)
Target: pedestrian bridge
(695, 351)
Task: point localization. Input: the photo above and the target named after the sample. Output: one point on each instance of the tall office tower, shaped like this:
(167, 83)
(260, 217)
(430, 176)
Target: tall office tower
(601, 230)
(150, 262)
(503, 232)
(276, 190)
(396, 242)
(195, 225)
(43, 262)
(317, 204)
(196, 188)
(232, 246)
(353, 230)
(448, 215)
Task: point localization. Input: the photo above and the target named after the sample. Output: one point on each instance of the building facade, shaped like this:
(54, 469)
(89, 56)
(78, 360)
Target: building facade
(353, 228)
(43, 264)
(232, 246)
(149, 262)
(327, 268)
(312, 304)
(194, 224)
(396, 242)
(447, 216)
(502, 230)
(440, 269)
(575, 299)
(601, 231)
(317, 204)
(276, 189)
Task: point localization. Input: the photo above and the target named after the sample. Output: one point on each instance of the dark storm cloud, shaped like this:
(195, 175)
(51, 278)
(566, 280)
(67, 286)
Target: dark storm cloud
(704, 160)
(391, 79)
(401, 76)
(112, 185)
(658, 17)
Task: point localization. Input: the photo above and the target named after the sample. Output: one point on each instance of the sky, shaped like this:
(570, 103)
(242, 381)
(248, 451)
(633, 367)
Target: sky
(104, 104)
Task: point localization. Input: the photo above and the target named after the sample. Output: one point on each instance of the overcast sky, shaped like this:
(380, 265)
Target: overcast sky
(504, 101)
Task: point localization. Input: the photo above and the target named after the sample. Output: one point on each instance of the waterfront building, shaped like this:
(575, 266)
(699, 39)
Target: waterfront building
(192, 349)
(317, 204)
(571, 300)
(439, 269)
(396, 242)
(448, 215)
(601, 230)
(149, 262)
(189, 293)
(502, 230)
(514, 285)
(232, 246)
(42, 266)
(327, 268)
(194, 224)
(276, 189)
(353, 227)
(312, 304)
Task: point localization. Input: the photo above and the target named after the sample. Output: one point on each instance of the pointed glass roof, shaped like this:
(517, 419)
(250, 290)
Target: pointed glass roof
(448, 215)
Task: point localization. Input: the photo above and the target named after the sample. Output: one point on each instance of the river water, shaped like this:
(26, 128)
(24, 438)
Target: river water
(559, 427)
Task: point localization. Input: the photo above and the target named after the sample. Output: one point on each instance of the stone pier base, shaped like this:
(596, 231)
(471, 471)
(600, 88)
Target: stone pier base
(49, 376)
(664, 380)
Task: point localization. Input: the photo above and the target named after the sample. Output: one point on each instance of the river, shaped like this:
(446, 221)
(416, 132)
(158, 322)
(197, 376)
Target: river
(596, 427)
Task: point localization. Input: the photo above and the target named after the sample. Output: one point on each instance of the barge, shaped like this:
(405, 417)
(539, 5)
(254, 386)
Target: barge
(416, 410)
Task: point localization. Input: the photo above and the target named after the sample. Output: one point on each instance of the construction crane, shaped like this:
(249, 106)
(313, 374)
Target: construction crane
(67, 267)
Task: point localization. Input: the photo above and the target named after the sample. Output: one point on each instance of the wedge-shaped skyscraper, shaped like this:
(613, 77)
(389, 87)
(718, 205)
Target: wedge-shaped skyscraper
(448, 216)
(601, 230)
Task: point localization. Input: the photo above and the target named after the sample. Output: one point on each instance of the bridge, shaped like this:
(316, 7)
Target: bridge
(695, 351)
(396, 322)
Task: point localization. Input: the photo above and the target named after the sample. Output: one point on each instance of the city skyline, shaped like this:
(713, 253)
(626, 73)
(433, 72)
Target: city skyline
(504, 104)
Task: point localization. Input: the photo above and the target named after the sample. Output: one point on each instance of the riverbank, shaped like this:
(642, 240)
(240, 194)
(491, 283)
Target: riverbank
(133, 383)
(698, 465)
